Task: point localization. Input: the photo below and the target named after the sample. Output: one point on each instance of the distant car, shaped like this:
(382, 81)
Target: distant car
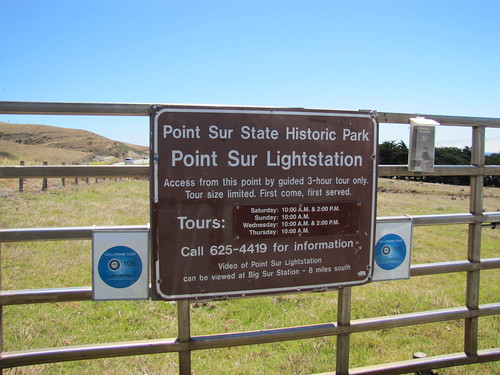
(129, 161)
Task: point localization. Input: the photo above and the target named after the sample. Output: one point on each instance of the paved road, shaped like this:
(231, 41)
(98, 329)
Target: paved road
(136, 162)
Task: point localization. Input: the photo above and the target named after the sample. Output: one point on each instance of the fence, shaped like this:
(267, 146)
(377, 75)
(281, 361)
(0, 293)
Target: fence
(45, 183)
(184, 344)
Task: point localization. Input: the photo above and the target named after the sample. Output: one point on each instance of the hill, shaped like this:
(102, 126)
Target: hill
(37, 143)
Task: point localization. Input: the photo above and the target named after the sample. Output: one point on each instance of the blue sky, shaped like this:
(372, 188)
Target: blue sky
(436, 57)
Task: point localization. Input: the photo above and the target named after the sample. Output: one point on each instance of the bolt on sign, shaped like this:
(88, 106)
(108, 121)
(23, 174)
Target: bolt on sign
(254, 201)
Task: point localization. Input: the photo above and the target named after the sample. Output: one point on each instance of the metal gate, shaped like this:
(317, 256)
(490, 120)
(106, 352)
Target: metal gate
(473, 264)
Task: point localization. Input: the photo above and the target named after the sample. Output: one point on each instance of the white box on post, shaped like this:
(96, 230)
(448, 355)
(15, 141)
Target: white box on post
(422, 144)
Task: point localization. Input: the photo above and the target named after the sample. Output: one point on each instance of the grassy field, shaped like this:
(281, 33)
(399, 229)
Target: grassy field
(64, 264)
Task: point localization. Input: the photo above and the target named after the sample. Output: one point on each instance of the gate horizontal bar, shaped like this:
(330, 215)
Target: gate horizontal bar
(439, 170)
(95, 351)
(331, 329)
(143, 109)
(85, 233)
(59, 171)
(444, 219)
(404, 118)
(65, 108)
(29, 296)
(429, 363)
(60, 234)
(453, 266)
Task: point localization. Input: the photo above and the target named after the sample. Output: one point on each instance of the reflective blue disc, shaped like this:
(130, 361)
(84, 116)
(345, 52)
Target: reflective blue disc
(390, 251)
(120, 267)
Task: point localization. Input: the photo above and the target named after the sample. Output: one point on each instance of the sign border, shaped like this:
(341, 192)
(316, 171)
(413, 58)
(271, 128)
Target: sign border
(154, 116)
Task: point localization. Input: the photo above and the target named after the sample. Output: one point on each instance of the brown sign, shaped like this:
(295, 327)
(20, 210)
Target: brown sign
(249, 201)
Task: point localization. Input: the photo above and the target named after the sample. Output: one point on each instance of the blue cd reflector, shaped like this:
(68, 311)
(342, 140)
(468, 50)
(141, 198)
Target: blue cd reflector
(390, 252)
(120, 267)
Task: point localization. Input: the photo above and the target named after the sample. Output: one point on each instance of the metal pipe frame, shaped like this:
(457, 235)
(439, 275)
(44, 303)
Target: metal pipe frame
(425, 364)
(439, 170)
(16, 297)
(60, 234)
(144, 109)
(85, 232)
(129, 348)
(184, 335)
(30, 296)
(103, 171)
(1, 307)
(184, 344)
(343, 339)
(471, 330)
(68, 108)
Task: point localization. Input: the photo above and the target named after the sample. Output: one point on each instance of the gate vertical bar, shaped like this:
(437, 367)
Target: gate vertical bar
(474, 242)
(1, 307)
(184, 335)
(343, 340)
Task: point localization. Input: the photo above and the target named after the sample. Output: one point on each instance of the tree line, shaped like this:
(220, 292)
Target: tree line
(396, 153)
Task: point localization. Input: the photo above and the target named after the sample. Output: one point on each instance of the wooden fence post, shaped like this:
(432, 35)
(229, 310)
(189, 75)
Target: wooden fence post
(21, 180)
(44, 181)
(63, 180)
(76, 178)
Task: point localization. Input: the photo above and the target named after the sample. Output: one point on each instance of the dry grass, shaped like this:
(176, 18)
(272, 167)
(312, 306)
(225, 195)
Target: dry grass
(13, 153)
(402, 197)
